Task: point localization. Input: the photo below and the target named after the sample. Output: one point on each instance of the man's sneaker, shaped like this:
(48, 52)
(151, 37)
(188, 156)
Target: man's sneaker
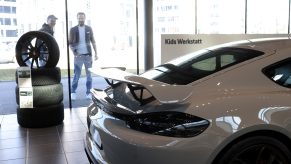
(88, 96)
(73, 96)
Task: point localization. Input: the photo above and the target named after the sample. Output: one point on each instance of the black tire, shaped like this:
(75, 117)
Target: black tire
(44, 76)
(257, 149)
(40, 117)
(44, 95)
(37, 49)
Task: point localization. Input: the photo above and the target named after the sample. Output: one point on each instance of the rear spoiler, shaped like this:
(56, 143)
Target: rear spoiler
(164, 93)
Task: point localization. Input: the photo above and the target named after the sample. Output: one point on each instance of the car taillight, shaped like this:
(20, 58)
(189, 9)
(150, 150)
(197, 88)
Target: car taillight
(172, 124)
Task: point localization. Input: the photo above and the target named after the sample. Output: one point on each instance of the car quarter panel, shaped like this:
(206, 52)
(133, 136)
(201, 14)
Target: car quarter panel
(123, 145)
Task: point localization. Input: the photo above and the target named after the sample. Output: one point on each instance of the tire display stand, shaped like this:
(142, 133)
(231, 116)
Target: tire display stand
(39, 92)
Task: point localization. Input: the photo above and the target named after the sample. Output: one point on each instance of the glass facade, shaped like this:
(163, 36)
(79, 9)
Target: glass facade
(218, 17)
(221, 17)
(115, 24)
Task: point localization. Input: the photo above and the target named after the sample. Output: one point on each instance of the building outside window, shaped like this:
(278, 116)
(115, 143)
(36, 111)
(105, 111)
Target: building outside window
(171, 17)
(220, 16)
(267, 17)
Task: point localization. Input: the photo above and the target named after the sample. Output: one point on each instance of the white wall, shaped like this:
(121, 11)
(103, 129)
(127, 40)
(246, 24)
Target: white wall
(172, 47)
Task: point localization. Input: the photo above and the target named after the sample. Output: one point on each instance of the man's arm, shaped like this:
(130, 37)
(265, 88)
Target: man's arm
(92, 39)
(71, 40)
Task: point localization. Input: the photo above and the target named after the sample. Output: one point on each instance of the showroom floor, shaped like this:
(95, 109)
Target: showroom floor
(62, 144)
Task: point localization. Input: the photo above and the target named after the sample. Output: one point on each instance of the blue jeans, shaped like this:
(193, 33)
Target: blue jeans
(79, 60)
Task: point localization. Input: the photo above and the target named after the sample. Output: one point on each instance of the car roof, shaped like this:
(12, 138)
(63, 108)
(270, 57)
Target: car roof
(262, 44)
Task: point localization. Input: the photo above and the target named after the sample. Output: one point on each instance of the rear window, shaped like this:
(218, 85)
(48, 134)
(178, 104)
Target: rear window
(192, 67)
(280, 72)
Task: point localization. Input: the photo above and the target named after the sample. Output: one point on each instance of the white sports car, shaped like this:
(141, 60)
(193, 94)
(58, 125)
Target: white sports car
(228, 104)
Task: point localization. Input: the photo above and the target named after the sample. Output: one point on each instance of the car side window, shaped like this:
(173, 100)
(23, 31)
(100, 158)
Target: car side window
(215, 62)
(226, 59)
(280, 73)
(208, 64)
(195, 66)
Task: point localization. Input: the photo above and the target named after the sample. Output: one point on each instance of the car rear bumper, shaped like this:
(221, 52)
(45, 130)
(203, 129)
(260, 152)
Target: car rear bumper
(92, 151)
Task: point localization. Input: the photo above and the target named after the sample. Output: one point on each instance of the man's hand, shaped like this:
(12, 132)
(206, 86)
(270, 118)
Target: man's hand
(96, 57)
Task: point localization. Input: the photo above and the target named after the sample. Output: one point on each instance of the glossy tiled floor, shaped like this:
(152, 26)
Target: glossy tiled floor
(62, 144)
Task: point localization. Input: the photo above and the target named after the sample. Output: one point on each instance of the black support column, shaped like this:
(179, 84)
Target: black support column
(148, 36)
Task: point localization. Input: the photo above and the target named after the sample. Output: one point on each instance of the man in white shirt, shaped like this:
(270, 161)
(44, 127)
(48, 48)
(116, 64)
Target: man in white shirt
(80, 40)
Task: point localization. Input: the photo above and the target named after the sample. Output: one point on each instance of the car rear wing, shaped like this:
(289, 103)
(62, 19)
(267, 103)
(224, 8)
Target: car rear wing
(164, 93)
